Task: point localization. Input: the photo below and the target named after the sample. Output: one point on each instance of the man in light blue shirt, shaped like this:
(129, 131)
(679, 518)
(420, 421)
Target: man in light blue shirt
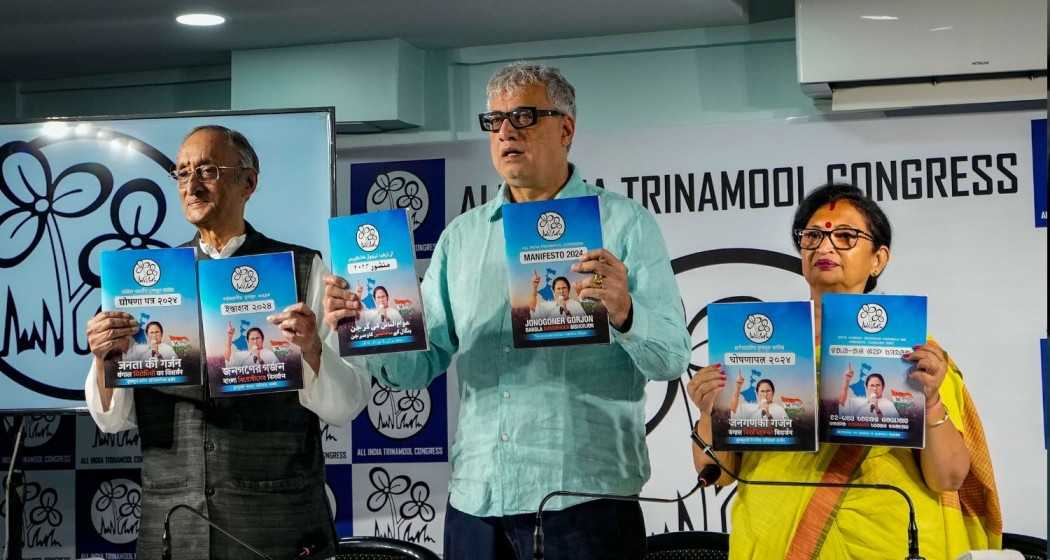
(532, 421)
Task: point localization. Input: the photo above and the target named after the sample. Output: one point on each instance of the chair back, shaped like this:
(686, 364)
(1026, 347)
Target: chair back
(1032, 548)
(688, 545)
(381, 548)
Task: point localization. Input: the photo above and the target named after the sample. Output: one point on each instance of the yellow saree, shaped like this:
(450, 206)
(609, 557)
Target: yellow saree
(837, 524)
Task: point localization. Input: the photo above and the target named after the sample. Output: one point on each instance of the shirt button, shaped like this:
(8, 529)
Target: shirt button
(504, 437)
(506, 394)
(209, 491)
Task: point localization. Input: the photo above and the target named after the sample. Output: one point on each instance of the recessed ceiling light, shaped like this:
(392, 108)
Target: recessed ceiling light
(201, 19)
(880, 18)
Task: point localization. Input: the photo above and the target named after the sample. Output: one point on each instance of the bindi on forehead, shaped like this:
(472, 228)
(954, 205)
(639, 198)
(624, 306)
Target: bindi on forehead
(827, 225)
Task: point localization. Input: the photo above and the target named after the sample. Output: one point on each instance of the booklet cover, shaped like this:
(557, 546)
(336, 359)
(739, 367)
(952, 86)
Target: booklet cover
(246, 354)
(770, 399)
(158, 287)
(866, 395)
(544, 239)
(376, 254)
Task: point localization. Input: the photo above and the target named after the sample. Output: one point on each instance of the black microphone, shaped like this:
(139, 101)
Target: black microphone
(166, 538)
(707, 477)
(913, 528)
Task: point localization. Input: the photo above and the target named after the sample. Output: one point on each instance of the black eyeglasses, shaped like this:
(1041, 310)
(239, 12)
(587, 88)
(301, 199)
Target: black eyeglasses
(206, 173)
(520, 117)
(841, 238)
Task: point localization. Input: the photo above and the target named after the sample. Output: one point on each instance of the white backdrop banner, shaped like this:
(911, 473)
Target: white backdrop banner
(966, 195)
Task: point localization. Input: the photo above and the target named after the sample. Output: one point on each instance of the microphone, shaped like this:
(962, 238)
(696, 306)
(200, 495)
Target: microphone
(707, 477)
(166, 537)
(913, 528)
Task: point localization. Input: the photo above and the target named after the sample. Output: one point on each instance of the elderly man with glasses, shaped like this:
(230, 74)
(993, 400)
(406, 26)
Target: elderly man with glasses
(253, 464)
(532, 421)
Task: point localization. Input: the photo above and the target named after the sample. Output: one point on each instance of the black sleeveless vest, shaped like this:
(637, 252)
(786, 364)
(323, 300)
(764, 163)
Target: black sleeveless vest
(253, 464)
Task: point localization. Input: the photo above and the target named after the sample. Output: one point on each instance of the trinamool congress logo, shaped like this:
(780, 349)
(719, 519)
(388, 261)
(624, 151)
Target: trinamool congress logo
(38, 429)
(398, 414)
(758, 328)
(68, 191)
(399, 189)
(245, 279)
(367, 237)
(116, 509)
(146, 272)
(872, 318)
(550, 226)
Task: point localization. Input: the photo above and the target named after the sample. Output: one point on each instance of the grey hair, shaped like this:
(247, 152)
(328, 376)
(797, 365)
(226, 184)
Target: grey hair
(239, 142)
(517, 75)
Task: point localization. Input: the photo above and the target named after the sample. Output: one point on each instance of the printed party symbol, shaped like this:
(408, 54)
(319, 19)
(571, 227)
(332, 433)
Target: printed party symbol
(147, 272)
(758, 328)
(550, 226)
(245, 279)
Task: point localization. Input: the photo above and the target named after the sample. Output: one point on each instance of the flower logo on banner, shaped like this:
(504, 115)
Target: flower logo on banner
(42, 515)
(116, 510)
(138, 195)
(400, 189)
(45, 510)
(48, 208)
(38, 429)
(406, 502)
(398, 414)
(417, 505)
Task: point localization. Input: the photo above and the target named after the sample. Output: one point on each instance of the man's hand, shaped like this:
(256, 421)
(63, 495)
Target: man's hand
(229, 330)
(110, 331)
(339, 302)
(608, 284)
(299, 325)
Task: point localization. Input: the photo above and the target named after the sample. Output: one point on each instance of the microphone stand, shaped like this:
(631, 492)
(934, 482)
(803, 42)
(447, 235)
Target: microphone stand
(166, 538)
(913, 528)
(708, 475)
(14, 508)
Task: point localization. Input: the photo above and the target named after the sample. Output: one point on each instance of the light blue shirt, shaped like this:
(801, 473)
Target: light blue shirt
(532, 421)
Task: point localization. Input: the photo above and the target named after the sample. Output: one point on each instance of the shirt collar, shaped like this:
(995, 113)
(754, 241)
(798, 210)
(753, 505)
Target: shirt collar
(230, 248)
(575, 186)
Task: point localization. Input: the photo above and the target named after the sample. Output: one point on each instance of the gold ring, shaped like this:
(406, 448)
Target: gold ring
(597, 281)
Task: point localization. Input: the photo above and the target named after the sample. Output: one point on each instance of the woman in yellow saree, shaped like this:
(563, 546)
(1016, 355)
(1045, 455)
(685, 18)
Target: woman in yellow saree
(844, 242)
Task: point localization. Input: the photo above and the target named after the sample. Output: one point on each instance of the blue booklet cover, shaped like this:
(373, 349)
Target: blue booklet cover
(543, 240)
(375, 253)
(770, 399)
(866, 395)
(158, 287)
(245, 353)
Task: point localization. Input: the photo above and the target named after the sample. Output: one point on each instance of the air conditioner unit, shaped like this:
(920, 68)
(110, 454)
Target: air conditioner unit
(887, 54)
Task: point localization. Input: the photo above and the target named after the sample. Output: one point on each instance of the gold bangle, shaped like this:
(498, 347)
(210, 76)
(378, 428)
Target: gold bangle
(942, 420)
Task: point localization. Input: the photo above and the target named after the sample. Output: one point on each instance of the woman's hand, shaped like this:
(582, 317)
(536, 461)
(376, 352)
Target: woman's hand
(705, 386)
(930, 367)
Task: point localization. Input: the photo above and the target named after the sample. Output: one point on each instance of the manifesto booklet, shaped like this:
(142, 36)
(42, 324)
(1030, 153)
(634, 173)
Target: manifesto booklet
(543, 240)
(770, 398)
(158, 287)
(376, 254)
(245, 353)
(866, 395)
